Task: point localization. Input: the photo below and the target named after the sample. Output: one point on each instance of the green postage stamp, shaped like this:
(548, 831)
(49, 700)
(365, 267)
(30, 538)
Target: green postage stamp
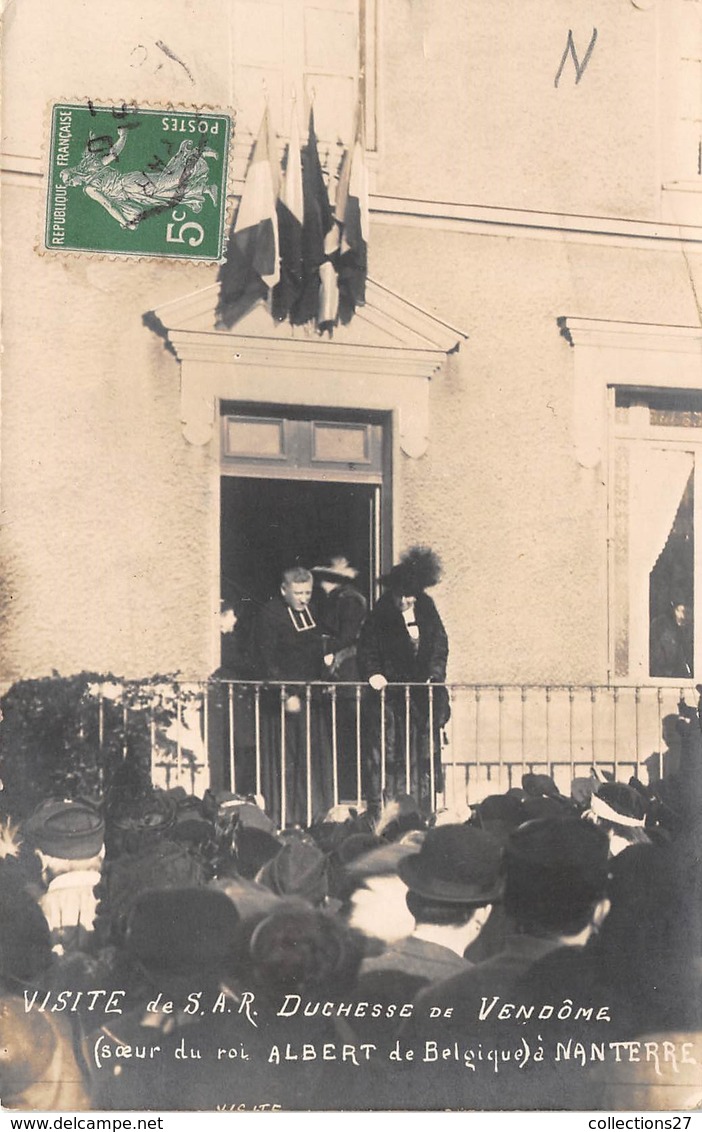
(127, 181)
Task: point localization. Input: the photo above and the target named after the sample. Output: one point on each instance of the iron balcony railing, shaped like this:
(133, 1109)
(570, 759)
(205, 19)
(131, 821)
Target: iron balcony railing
(241, 735)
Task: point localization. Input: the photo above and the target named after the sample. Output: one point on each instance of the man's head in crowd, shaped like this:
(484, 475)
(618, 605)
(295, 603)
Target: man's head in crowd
(452, 883)
(555, 877)
(296, 587)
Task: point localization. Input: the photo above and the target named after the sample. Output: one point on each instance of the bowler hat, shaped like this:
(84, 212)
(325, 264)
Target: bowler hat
(540, 785)
(504, 808)
(64, 828)
(457, 864)
(563, 845)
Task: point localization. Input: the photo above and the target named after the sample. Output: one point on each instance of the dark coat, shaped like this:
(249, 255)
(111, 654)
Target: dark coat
(344, 612)
(283, 652)
(671, 654)
(295, 657)
(385, 645)
(238, 661)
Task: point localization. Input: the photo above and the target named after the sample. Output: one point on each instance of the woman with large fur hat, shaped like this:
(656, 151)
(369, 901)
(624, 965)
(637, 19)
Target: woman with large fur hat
(403, 641)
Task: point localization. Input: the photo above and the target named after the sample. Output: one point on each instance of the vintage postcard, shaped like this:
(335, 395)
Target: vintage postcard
(351, 650)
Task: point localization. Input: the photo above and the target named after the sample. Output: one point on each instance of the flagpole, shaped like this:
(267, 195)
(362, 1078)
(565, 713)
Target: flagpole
(267, 120)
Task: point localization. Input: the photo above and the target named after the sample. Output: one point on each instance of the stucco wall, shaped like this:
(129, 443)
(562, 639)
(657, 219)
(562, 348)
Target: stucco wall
(522, 527)
(106, 509)
(469, 110)
(110, 549)
(467, 107)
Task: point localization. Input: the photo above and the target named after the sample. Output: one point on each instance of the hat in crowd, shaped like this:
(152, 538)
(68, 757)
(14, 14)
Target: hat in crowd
(497, 808)
(498, 815)
(336, 570)
(566, 846)
(251, 816)
(418, 569)
(383, 860)
(299, 869)
(540, 785)
(133, 822)
(456, 864)
(543, 806)
(254, 848)
(183, 929)
(329, 835)
(190, 824)
(354, 847)
(555, 872)
(399, 816)
(252, 900)
(242, 809)
(620, 804)
(73, 830)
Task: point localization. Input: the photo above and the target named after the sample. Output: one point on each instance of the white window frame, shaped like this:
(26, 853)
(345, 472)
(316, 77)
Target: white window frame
(330, 149)
(638, 435)
(610, 355)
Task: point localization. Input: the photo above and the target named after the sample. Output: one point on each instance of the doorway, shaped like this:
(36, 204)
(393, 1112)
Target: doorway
(298, 487)
(268, 525)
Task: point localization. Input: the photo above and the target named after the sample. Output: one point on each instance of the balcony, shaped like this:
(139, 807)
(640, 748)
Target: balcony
(227, 734)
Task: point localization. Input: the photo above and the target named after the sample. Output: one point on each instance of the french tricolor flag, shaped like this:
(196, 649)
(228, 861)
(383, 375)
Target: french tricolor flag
(252, 264)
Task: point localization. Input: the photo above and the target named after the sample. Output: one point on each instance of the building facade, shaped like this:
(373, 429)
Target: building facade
(522, 390)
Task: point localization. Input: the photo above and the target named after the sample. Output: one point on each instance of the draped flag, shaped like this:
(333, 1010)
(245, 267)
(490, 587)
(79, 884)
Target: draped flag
(288, 291)
(318, 221)
(252, 265)
(352, 215)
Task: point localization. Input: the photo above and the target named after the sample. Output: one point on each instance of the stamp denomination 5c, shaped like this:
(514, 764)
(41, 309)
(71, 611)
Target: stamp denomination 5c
(138, 182)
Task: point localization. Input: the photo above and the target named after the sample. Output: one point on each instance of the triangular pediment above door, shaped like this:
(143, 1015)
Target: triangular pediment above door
(386, 320)
(383, 360)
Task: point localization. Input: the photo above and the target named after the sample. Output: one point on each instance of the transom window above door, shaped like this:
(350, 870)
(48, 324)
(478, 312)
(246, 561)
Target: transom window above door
(289, 448)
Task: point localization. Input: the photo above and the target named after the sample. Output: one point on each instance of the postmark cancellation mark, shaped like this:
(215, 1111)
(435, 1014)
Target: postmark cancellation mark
(138, 182)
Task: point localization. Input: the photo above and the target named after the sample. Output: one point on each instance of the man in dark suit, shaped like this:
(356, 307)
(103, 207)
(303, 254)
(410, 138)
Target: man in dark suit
(555, 876)
(452, 882)
(671, 642)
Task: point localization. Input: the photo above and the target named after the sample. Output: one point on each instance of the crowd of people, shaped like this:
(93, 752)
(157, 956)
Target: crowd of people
(179, 953)
(161, 951)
